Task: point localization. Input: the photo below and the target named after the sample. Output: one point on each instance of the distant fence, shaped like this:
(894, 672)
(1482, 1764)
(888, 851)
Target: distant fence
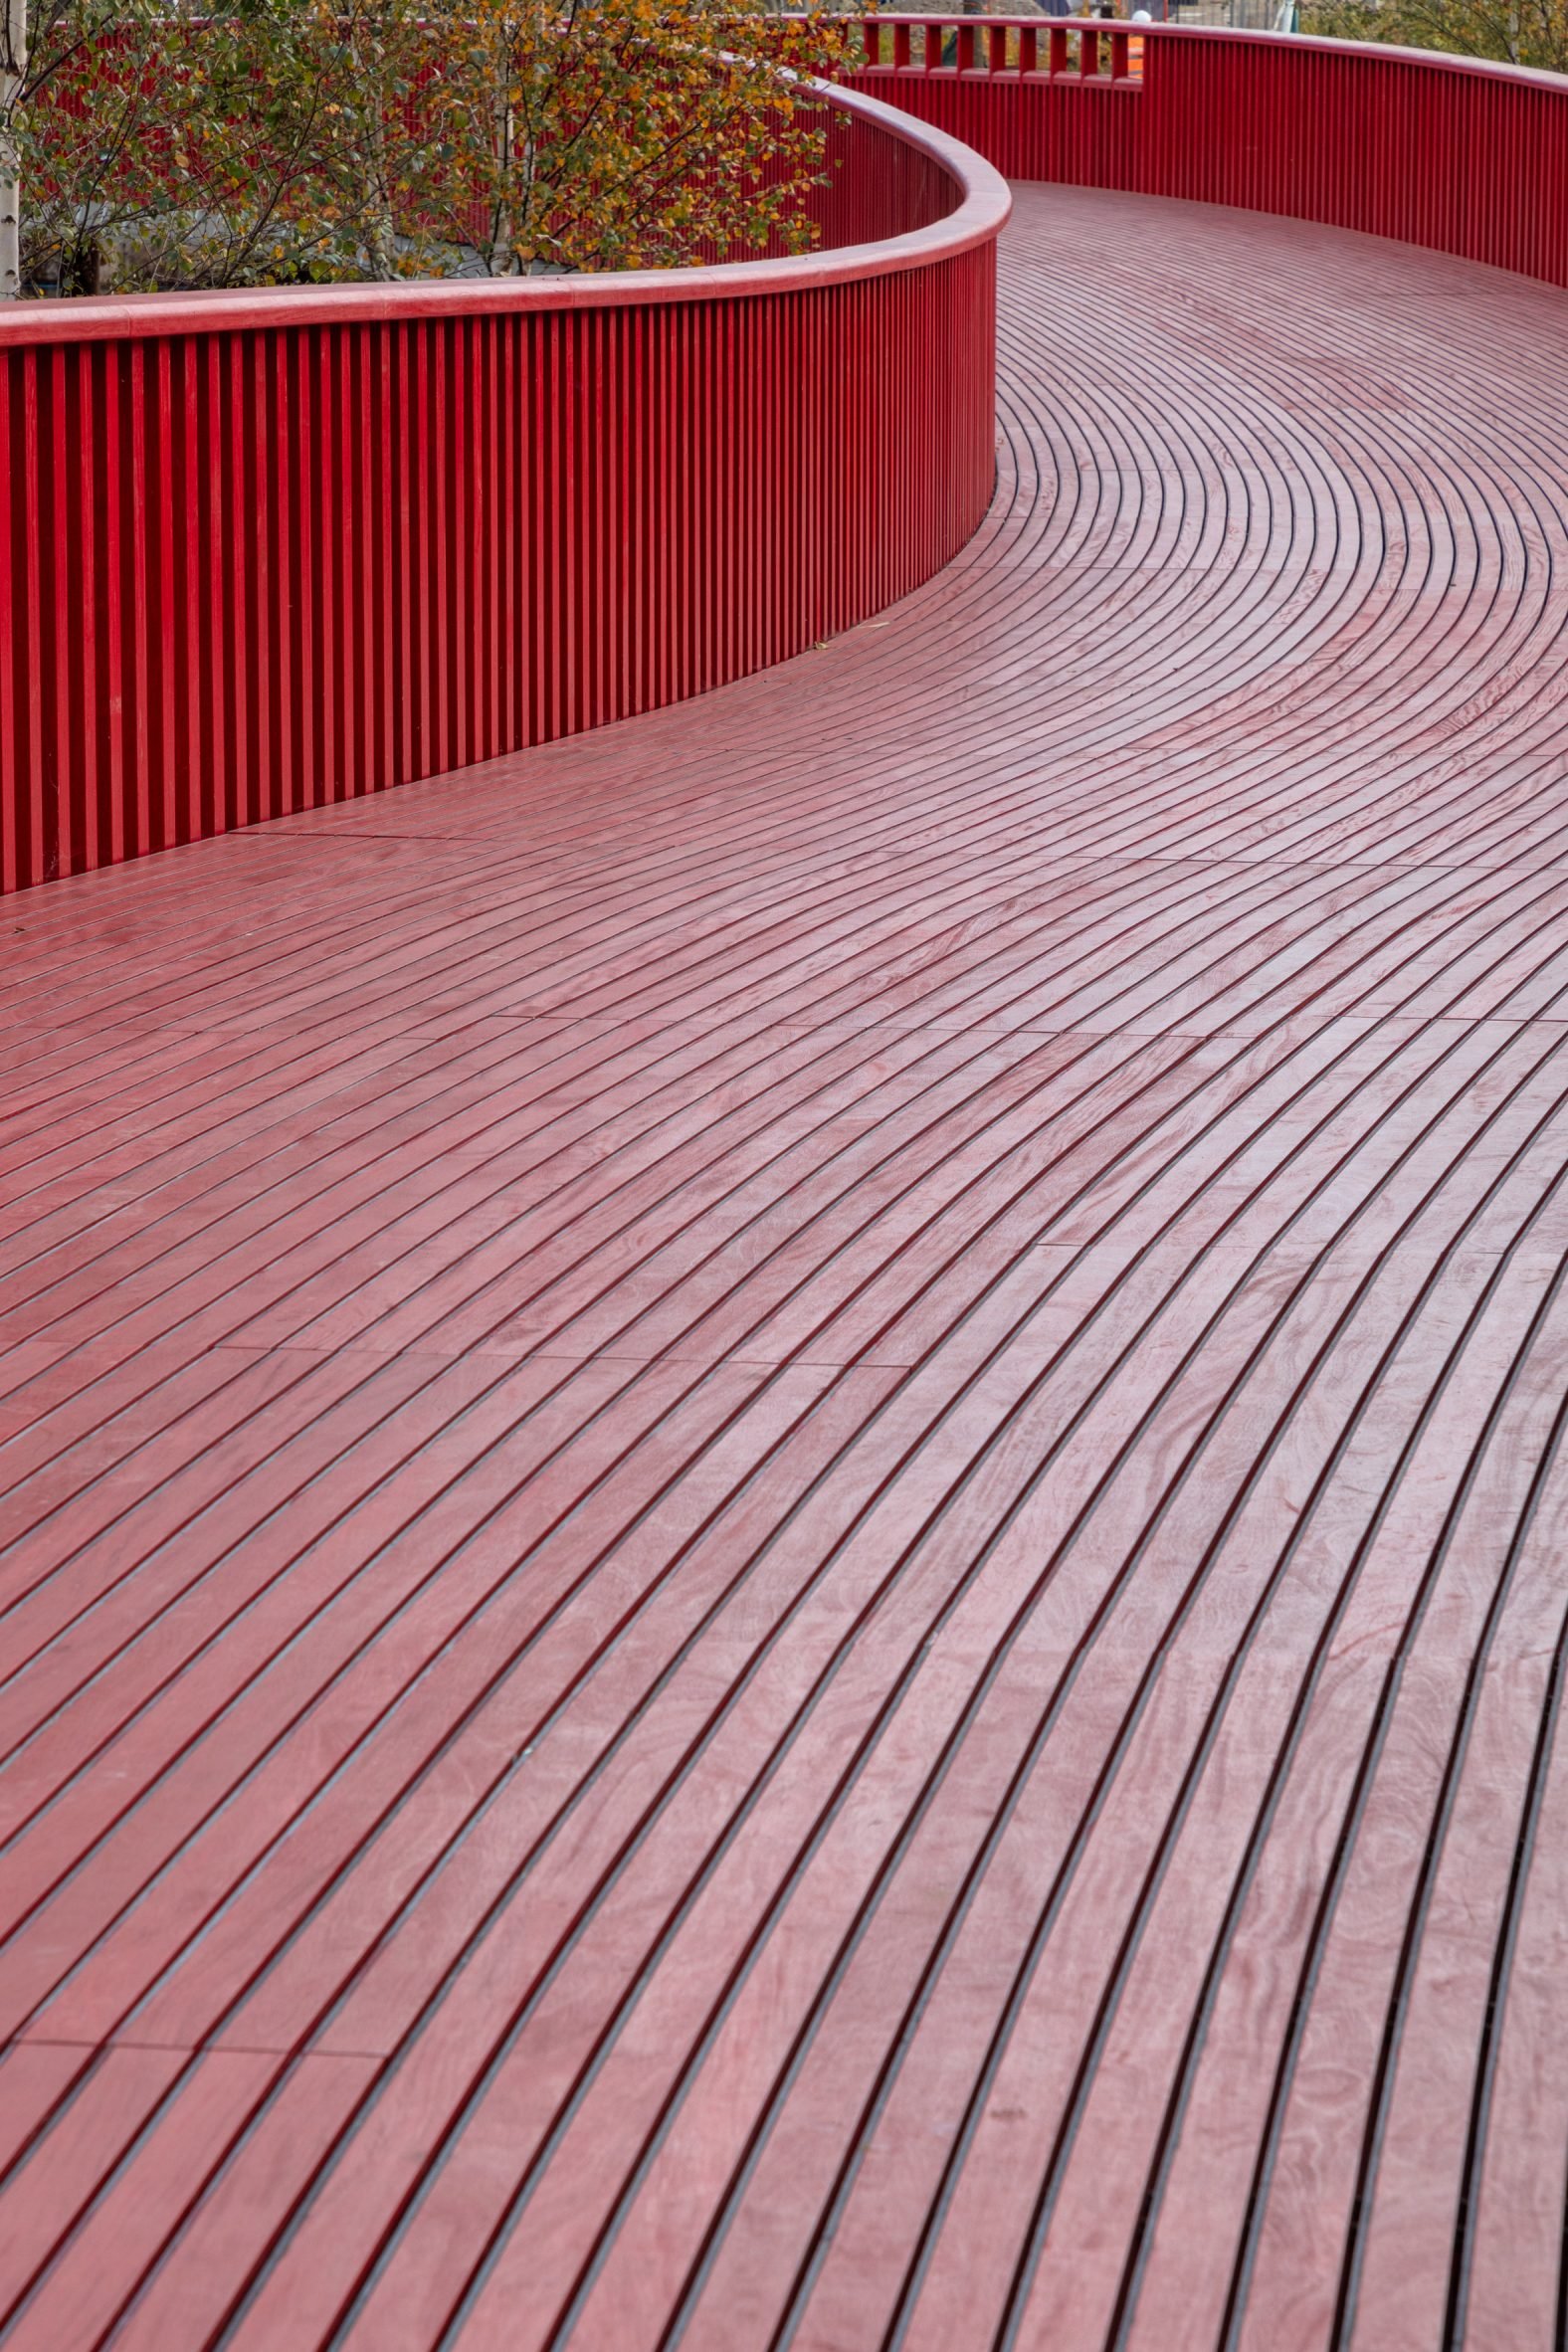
(261, 552)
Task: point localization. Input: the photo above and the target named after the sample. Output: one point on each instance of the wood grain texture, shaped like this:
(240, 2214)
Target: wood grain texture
(782, 1494)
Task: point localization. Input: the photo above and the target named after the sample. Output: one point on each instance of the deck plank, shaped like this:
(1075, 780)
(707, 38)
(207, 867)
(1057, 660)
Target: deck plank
(782, 1496)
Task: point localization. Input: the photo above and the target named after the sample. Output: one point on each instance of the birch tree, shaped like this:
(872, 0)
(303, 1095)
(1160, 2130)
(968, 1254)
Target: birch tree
(13, 74)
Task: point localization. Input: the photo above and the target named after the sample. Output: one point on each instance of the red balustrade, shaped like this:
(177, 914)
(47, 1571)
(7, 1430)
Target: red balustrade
(261, 552)
(1442, 152)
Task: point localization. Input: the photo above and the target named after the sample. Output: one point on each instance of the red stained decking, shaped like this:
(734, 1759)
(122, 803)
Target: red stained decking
(784, 1493)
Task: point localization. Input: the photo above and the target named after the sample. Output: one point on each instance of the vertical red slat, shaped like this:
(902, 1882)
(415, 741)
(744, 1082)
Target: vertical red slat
(261, 450)
(136, 796)
(13, 629)
(57, 549)
(322, 491)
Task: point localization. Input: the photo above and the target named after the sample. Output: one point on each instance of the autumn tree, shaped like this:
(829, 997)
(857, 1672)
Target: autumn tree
(1511, 32)
(274, 140)
(89, 69)
(621, 135)
(172, 148)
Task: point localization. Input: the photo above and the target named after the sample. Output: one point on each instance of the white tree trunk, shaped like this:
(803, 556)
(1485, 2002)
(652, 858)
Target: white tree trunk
(13, 64)
(380, 229)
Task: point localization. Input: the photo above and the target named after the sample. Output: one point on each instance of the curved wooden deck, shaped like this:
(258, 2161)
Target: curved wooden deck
(785, 1492)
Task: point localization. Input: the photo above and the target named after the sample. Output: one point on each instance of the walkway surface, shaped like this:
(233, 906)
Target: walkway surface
(787, 1530)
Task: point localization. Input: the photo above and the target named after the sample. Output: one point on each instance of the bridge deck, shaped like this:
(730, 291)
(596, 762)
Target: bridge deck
(784, 1495)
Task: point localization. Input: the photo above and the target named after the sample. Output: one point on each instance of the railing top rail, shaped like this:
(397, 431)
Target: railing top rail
(984, 203)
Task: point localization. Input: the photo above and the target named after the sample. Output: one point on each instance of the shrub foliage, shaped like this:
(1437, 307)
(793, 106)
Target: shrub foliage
(1510, 32)
(280, 142)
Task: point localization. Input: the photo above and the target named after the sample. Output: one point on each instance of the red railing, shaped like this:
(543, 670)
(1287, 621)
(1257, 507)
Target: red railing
(1442, 152)
(260, 553)
(1080, 49)
(266, 551)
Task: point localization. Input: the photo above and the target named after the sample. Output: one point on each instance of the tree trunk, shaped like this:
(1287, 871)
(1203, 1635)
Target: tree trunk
(13, 66)
(380, 228)
(502, 249)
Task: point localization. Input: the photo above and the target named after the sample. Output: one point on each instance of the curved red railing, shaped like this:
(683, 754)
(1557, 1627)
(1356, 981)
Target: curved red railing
(1442, 152)
(262, 551)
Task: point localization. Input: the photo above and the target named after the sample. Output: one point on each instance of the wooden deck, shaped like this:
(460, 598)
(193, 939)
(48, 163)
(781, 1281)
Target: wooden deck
(786, 1523)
